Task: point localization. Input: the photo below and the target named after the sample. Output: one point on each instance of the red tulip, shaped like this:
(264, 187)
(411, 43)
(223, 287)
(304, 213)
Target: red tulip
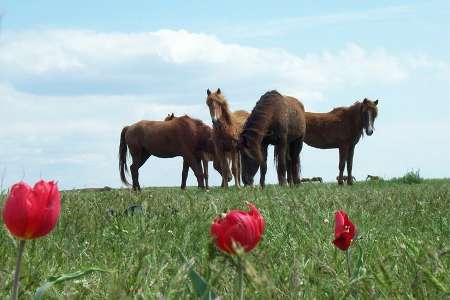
(30, 213)
(344, 231)
(240, 227)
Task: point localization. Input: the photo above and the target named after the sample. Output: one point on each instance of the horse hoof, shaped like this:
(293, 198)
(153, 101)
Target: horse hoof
(340, 182)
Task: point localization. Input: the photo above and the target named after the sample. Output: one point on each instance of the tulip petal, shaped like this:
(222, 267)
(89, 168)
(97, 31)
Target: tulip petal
(51, 207)
(15, 209)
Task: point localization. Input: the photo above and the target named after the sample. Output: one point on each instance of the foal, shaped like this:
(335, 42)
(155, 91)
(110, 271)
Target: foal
(226, 129)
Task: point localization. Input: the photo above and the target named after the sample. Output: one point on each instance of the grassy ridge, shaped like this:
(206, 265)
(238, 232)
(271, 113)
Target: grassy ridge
(404, 235)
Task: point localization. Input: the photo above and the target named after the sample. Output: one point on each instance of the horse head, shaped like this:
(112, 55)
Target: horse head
(169, 117)
(218, 106)
(369, 112)
(251, 158)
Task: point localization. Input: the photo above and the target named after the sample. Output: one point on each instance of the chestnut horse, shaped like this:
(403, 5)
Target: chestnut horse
(226, 129)
(276, 120)
(206, 157)
(341, 128)
(182, 136)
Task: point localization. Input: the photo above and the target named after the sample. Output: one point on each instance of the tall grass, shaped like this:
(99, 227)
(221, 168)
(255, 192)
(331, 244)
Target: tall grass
(411, 177)
(402, 250)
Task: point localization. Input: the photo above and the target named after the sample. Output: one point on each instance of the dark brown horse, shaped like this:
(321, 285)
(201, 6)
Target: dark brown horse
(276, 120)
(226, 129)
(181, 136)
(341, 128)
(206, 156)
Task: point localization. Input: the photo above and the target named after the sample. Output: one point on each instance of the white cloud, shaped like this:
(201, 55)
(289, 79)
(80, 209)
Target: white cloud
(171, 57)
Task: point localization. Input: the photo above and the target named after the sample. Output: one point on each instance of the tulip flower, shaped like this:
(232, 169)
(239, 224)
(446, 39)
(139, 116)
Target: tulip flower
(238, 230)
(30, 213)
(344, 231)
(238, 227)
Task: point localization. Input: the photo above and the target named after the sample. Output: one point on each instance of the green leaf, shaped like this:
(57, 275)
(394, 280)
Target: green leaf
(52, 280)
(359, 262)
(201, 287)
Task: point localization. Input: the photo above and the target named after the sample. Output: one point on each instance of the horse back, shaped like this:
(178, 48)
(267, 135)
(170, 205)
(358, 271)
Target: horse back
(329, 130)
(162, 138)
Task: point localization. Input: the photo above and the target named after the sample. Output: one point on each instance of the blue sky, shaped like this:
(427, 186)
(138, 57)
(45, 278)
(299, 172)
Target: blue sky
(73, 74)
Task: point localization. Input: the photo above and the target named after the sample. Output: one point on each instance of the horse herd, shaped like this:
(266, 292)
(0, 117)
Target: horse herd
(240, 139)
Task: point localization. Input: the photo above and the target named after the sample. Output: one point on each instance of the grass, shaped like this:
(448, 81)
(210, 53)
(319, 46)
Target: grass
(402, 250)
(411, 177)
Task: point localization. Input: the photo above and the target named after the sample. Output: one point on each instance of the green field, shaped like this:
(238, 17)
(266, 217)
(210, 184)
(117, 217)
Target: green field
(402, 250)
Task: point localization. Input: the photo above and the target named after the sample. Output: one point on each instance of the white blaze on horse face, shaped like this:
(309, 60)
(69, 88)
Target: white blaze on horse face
(212, 112)
(369, 129)
(215, 112)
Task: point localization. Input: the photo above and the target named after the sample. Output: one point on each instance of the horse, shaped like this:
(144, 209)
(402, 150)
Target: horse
(206, 156)
(345, 178)
(341, 128)
(181, 136)
(314, 179)
(372, 178)
(318, 179)
(226, 129)
(276, 120)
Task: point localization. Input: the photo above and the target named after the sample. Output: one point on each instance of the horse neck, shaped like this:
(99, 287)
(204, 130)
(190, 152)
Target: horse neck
(256, 127)
(355, 115)
(226, 117)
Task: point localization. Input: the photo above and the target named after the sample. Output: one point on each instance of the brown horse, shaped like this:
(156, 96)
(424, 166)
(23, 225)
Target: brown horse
(341, 128)
(182, 136)
(226, 129)
(373, 178)
(345, 178)
(206, 156)
(276, 120)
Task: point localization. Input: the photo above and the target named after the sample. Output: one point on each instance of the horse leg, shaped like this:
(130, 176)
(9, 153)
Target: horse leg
(342, 157)
(196, 166)
(281, 169)
(234, 167)
(205, 170)
(223, 162)
(263, 166)
(139, 158)
(350, 164)
(289, 171)
(238, 163)
(184, 174)
(295, 149)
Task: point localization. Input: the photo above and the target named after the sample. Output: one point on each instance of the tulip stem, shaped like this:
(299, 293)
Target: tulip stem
(15, 290)
(348, 263)
(241, 278)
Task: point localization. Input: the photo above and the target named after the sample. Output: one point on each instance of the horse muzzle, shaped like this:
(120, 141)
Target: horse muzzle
(369, 131)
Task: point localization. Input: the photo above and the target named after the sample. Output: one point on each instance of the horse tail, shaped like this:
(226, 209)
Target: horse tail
(123, 156)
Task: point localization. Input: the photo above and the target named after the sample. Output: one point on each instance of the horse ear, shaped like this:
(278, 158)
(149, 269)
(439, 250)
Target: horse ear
(376, 102)
(365, 101)
(172, 115)
(208, 92)
(218, 91)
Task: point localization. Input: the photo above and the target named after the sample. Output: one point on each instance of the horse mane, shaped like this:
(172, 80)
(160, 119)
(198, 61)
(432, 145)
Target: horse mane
(185, 117)
(257, 123)
(351, 108)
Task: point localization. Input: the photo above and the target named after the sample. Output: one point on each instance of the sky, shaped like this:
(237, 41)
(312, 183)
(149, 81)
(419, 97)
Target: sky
(73, 73)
